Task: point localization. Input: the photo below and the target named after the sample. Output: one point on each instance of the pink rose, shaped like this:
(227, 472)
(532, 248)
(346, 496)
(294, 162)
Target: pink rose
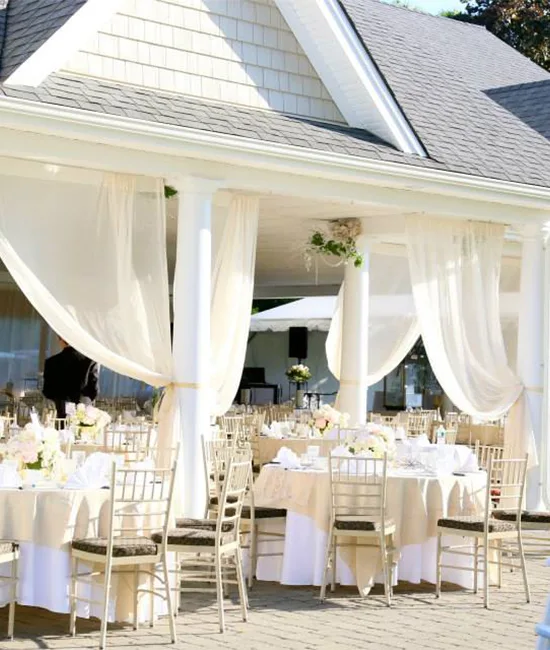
(320, 423)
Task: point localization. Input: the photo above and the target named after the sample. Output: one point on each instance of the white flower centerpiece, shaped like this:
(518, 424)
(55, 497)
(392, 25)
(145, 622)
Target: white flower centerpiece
(373, 441)
(298, 374)
(87, 422)
(326, 418)
(37, 451)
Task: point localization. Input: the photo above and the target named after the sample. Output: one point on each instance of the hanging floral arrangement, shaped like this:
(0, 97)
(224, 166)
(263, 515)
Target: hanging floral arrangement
(340, 242)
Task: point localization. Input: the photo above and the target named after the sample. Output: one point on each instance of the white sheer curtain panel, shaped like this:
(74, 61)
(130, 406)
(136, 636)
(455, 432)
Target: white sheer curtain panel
(393, 326)
(88, 250)
(232, 292)
(455, 272)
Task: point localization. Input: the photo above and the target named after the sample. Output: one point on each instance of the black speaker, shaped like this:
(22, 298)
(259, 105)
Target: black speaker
(297, 342)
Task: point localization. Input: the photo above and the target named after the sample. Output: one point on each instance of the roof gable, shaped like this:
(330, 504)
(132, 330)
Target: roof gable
(28, 25)
(441, 71)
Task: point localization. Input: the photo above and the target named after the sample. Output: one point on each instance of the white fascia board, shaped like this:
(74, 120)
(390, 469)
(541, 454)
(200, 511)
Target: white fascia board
(54, 53)
(348, 72)
(21, 115)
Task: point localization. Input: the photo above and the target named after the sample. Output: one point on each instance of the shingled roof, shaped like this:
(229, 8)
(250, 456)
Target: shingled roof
(192, 113)
(28, 25)
(441, 72)
(468, 96)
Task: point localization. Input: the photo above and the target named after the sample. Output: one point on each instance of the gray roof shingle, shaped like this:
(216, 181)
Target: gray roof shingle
(191, 113)
(440, 71)
(28, 25)
(529, 102)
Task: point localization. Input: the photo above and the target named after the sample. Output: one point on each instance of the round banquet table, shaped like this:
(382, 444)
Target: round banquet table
(414, 501)
(45, 521)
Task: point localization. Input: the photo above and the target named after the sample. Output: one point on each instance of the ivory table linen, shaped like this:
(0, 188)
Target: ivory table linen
(415, 502)
(45, 521)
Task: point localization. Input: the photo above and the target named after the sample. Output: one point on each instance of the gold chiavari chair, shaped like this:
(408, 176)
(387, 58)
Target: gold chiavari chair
(358, 510)
(419, 424)
(210, 550)
(484, 453)
(505, 477)
(140, 504)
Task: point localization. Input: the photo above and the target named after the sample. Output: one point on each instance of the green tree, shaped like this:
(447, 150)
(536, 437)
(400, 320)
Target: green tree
(523, 24)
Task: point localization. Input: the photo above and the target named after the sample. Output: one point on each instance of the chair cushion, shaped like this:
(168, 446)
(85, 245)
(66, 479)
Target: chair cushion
(122, 546)
(214, 501)
(8, 547)
(476, 524)
(526, 516)
(351, 524)
(191, 537)
(203, 524)
(263, 513)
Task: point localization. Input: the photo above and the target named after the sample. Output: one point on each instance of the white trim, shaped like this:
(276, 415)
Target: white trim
(349, 73)
(182, 143)
(52, 54)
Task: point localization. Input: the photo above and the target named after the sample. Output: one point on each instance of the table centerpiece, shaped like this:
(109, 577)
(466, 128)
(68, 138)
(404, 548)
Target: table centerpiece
(327, 418)
(299, 374)
(38, 453)
(88, 422)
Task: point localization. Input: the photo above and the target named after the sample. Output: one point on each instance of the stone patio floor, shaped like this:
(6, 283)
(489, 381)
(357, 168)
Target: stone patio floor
(293, 617)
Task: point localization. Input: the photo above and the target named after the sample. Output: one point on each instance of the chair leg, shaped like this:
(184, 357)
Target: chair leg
(499, 559)
(11, 616)
(486, 573)
(152, 600)
(476, 563)
(252, 555)
(240, 581)
(326, 567)
(170, 607)
(136, 596)
(219, 591)
(523, 568)
(438, 568)
(72, 596)
(385, 568)
(333, 581)
(105, 610)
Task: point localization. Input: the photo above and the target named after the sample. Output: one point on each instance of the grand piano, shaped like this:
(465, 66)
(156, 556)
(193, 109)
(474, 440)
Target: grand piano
(260, 391)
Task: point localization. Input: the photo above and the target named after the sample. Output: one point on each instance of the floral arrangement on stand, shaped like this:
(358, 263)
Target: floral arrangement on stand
(326, 418)
(36, 449)
(88, 421)
(374, 440)
(340, 242)
(298, 373)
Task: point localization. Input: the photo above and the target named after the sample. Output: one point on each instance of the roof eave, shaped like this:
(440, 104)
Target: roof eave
(151, 137)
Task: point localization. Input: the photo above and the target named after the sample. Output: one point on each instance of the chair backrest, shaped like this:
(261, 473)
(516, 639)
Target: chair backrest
(134, 442)
(235, 486)
(231, 423)
(419, 423)
(358, 488)
(506, 479)
(484, 453)
(216, 455)
(140, 503)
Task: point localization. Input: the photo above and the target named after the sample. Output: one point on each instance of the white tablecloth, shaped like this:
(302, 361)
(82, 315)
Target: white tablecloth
(44, 521)
(415, 502)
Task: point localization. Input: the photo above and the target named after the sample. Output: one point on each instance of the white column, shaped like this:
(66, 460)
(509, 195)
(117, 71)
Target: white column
(191, 346)
(355, 338)
(530, 345)
(545, 417)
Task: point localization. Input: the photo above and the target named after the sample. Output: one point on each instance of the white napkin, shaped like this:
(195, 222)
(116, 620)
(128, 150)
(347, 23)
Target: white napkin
(287, 458)
(95, 473)
(9, 476)
(465, 459)
(420, 441)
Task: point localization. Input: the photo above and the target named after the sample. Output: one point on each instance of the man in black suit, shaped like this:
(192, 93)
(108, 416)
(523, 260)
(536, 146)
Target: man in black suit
(70, 377)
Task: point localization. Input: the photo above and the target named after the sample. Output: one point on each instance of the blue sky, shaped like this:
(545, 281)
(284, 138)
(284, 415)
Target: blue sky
(435, 6)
